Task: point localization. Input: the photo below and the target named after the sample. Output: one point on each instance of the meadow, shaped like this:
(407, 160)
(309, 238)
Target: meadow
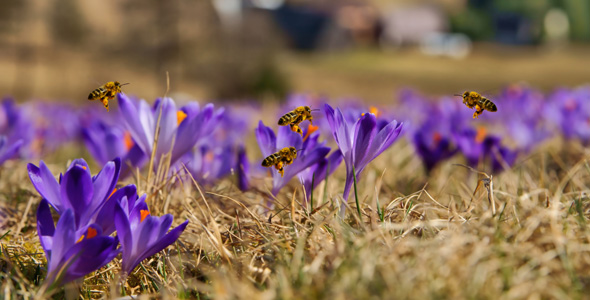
(435, 204)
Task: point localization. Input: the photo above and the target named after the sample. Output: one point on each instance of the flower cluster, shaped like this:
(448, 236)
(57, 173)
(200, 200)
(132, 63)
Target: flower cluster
(90, 209)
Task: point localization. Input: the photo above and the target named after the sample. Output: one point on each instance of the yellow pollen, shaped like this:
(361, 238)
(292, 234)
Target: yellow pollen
(481, 134)
(144, 214)
(310, 129)
(180, 116)
(128, 141)
(84, 167)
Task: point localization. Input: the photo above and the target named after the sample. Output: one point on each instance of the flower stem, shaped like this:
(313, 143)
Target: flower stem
(356, 196)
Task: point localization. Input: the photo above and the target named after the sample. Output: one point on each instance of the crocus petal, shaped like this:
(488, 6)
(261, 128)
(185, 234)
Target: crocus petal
(288, 138)
(87, 256)
(382, 141)
(104, 184)
(364, 133)
(168, 125)
(106, 215)
(124, 232)
(9, 151)
(77, 191)
(340, 128)
(62, 240)
(133, 117)
(45, 227)
(46, 184)
(160, 245)
(266, 139)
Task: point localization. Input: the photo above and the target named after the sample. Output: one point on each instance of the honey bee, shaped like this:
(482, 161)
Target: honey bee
(474, 99)
(281, 158)
(296, 116)
(106, 92)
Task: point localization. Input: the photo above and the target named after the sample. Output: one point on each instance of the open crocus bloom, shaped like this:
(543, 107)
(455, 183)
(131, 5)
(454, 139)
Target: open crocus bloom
(360, 142)
(71, 252)
(143, 235)
(77, 189)
(180, 130)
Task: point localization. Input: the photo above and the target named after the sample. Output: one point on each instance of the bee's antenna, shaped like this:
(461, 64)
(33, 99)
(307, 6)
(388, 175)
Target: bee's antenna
(124, 83)
(458, 95)
(315, 109)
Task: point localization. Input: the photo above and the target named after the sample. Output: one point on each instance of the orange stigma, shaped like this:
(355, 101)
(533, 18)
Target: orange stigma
(374, 110)
(180, 116)
(128, 141)
(436, 137)
(310, 129)
(90, 233)
(114, 190)
(481, 134)
(144, 214)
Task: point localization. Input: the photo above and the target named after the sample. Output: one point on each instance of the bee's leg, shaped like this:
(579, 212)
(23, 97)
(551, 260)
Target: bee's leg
(105, 102)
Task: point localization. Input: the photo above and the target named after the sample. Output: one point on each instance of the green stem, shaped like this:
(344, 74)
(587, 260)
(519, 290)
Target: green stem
(356, 196)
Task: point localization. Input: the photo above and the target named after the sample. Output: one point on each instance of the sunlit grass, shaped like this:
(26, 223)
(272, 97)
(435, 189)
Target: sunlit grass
(419, 237)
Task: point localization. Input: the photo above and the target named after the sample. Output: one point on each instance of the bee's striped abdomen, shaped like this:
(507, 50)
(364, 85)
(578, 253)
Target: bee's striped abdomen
(488, 105)
(97, 93)
(287, 118)
(270, 160)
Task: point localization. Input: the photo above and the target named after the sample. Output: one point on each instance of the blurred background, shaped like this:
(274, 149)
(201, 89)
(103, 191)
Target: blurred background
(266, 49)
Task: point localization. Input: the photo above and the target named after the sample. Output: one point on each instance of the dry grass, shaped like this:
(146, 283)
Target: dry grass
(432, 244)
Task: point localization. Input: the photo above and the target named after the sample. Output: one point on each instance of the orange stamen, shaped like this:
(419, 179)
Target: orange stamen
(80, 239)
(144, 214)
(481, 134)
(180, 116)
(128, 141)
(310, 129)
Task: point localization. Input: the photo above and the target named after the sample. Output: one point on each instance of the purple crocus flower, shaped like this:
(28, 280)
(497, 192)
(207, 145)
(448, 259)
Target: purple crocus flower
(180, 129)
(72, 252)
(243, 169)
(8, 151)
(478, 146)
(77, 189)
(360, 142)
(143, 235)
(433, 142)
(569, 111)
(311, 152)
(105, 143)
(208, 165)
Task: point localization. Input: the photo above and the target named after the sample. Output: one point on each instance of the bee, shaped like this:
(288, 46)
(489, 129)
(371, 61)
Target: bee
(479, 102)
(106, 92)
(296, 116)
(281, 158)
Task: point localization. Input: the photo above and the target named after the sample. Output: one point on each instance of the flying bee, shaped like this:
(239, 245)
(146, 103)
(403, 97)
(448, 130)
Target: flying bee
(296, 116)
(281, 158)
(479, 102)
(106, 92)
